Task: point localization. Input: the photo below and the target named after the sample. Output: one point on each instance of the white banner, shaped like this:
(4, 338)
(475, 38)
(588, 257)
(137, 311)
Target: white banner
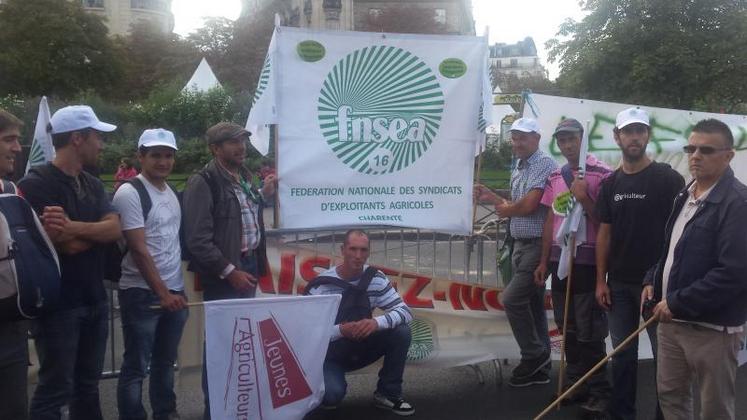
(670, 130)
(374, 129)
(265, 356)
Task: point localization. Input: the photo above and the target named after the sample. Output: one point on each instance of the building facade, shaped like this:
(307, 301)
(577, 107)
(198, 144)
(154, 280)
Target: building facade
(122, 14)
(352, 15)
(518, 59)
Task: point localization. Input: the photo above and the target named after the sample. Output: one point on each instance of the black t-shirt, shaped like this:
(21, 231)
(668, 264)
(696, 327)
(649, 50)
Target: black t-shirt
(84, 200)
(637, 207)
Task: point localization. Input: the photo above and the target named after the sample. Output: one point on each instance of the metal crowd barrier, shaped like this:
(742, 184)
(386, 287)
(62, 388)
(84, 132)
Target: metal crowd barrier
(467, 259)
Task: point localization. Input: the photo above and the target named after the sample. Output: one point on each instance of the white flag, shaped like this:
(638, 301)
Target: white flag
(42, 150)
(485, 118)
(265, 356)
(264, 108)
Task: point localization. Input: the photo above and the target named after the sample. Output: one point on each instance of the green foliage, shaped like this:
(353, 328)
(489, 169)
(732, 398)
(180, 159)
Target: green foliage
(497, 155)
(683, 54)
(54, 48)
(153, 60)
(189, 113)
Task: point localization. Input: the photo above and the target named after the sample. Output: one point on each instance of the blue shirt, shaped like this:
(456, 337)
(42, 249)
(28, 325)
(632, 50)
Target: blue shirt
(530, 174)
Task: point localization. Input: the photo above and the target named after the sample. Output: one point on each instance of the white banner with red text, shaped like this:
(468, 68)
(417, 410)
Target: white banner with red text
(265, 356)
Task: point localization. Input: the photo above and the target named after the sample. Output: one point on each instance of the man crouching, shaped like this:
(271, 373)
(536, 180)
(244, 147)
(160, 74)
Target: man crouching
(358, 339)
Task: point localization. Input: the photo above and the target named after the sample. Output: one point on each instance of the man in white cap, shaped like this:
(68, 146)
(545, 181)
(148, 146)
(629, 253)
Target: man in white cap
(523, 300)
(77, 215)
(633, 206)
(151, 276)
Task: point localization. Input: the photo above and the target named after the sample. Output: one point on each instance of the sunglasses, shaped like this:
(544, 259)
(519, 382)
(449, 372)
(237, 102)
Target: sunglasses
(704, 150)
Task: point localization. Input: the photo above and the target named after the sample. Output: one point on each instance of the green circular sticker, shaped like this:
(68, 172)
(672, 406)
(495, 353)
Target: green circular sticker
(310, 51)
(380, 109)
(452, 68)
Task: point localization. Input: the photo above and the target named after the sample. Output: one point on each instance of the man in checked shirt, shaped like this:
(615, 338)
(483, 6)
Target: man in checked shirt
(358, 343)
(523, 300)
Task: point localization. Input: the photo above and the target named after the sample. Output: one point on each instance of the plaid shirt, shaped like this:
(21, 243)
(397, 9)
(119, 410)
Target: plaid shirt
(530, 174)
(249, 224)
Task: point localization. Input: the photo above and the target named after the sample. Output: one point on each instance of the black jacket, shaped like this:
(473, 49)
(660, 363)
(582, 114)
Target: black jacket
(708, 278)
(213, 225)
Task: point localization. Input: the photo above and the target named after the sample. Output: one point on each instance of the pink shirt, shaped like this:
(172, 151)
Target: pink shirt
(596, 172)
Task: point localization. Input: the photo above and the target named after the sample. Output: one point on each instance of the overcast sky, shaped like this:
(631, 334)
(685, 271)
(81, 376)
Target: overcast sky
(509, 21)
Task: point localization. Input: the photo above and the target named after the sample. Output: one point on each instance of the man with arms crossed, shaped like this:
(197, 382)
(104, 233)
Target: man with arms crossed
(78, 218)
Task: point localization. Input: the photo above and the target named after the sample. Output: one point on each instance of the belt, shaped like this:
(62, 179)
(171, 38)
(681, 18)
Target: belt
(527, 240)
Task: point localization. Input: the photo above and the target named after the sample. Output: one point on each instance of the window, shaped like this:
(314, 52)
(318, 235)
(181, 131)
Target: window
(161, 5)
(514, 62)
(93, 3)
(440, 16)
(498, 63)
(374, 13)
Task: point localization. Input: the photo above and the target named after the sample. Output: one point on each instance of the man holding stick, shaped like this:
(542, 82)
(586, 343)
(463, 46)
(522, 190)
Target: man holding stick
(523, 299)
(586, 326)
(700, 282)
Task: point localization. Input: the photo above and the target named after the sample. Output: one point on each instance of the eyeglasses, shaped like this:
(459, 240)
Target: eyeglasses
(704, 150)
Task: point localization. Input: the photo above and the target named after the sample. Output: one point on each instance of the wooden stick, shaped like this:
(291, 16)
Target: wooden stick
(477, 182)
(561, 373)
(595, 368)
(188, 304)
(276, 207)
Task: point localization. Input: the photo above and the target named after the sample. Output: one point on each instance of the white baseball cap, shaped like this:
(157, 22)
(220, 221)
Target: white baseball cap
(526, 125)
(157, 137)
(631, 116)
(77, 117)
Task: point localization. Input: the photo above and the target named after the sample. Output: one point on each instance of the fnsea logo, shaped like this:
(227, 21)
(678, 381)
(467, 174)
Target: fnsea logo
(380, 109)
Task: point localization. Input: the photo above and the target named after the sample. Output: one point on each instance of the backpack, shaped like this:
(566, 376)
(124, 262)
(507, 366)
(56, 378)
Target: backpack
(29, 267)
(354, 304)
(116, 251)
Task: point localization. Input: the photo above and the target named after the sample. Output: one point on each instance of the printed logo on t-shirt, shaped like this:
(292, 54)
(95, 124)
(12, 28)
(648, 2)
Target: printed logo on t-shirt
(629, 196)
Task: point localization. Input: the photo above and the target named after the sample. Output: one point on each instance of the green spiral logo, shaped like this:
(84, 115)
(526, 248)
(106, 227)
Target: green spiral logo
(380, 109)
(423, 342)
(264, 78)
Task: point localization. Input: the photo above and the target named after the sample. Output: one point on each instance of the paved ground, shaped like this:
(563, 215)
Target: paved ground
(452, 394)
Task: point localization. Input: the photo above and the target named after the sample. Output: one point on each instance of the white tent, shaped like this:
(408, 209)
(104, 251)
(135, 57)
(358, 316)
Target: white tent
(203, 78)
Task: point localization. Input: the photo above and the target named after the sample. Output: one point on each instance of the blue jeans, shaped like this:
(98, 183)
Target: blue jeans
(70, 344)
(151, 339)
(223, 290)
(624, 319)
(14, 364)
(345, 355)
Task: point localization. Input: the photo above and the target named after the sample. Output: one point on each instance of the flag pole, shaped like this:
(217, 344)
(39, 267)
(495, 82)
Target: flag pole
(276, 207)
(477, 182)
(583, 150)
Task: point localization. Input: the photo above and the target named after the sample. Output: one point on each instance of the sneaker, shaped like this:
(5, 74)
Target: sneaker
(595, 405)
(326, 407)
(538, 378)
(579, 396)
(528, 368)
(396, 405)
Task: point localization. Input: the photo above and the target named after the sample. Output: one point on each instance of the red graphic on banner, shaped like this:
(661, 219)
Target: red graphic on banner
(287, 380)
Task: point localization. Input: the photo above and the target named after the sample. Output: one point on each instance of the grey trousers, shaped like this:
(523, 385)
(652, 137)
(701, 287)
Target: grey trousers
(524, 302)
(688, 353)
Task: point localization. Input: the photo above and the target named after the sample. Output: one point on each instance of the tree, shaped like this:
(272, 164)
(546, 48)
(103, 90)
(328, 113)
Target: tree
(154, 59)
(213, 39)
(405, 19)
(52, 47)
(687, 54)
(511, 83)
